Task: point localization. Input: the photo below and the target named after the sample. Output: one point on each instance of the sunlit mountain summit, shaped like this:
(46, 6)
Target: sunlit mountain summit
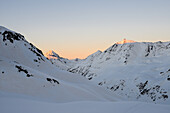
(125, 41)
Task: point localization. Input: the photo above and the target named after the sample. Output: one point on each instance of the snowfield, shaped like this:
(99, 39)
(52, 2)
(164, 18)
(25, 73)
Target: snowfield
(11, 104)
(126, 78)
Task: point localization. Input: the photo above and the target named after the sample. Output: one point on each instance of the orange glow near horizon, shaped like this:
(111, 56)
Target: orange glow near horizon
(83, 52)
(125, 41)
(76, 29)
(78, 53)
(71, 55)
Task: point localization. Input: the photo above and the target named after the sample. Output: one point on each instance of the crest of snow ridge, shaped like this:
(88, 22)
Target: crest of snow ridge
(10, 37)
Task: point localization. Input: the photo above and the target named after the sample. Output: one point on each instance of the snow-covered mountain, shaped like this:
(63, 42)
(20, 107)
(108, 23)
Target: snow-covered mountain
(135, 70)
(60, 62)
(52, 55)
(128, 70)
(25, 70)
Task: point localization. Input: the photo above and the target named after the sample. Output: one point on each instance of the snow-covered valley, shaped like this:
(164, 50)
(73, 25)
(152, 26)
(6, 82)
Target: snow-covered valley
(12, 103)
(126, 77)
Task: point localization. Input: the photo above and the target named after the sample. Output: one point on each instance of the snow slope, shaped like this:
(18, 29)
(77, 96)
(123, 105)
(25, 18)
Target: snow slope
(25, 70)
(137, 71)
(11, 104)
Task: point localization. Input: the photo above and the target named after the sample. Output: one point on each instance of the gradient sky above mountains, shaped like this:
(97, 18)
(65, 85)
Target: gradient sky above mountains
(77, 28)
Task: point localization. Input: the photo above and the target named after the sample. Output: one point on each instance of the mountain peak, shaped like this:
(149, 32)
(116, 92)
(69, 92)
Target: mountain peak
(51, 54)
(125, 41)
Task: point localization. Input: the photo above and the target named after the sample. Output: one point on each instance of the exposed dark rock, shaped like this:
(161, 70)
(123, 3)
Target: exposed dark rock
(21, 69)
(141, 86)
(49, 79)
(161, 72)
(39, 55)
(11, 36)
(29, 75)
(100, 83)
(155, 92)
(73, 70)
(90, 78)
(35, 60)
(115, 87)
(55, 81)
(40, 51)
(148, 51)
(165, 96)
(52, 80)
(120, 86)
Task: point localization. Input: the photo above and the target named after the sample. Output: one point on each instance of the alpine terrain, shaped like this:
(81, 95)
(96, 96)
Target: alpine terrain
(126, 77)
(134, 70)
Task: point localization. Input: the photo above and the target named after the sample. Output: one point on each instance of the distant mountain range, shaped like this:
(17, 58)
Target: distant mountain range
(134, 70)
(128, 70)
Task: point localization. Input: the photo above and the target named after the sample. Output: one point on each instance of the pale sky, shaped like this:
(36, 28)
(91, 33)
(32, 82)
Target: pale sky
(77, 28)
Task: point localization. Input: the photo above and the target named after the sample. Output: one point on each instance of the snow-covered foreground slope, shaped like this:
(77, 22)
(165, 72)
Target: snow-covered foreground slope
(13, 104)
(17, 78)
(136, 71)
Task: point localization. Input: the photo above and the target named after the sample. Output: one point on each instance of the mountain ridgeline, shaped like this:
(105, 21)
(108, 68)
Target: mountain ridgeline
(128, 70)
(134, 70)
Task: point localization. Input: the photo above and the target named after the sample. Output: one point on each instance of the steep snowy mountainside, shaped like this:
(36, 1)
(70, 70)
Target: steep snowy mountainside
(123, 54)
(14, 46)
(60, 62)
(131, 70)
(92, 56)
(25, 70)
